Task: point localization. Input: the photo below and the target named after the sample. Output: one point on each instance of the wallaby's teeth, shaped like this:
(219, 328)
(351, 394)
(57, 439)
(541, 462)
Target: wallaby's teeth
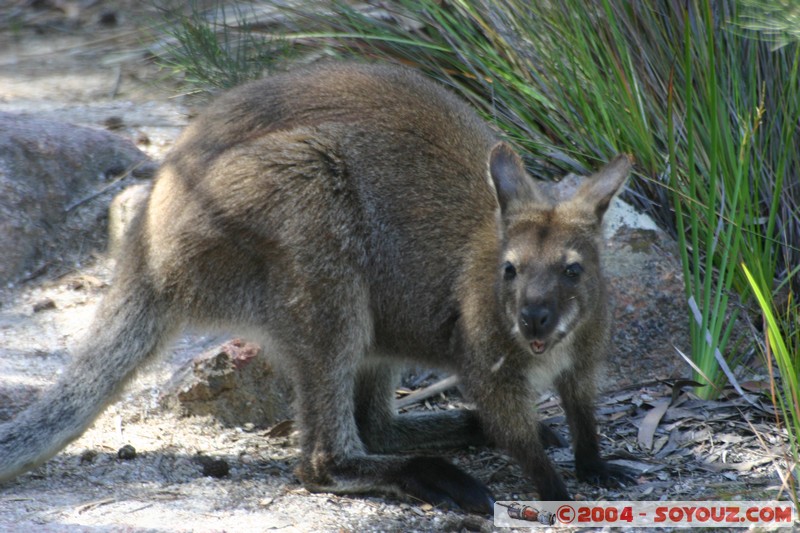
(538, 346)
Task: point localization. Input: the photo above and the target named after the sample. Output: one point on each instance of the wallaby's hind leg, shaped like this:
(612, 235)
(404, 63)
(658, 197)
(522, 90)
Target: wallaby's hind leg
(383, 430)
(334, 458)
(329, 438)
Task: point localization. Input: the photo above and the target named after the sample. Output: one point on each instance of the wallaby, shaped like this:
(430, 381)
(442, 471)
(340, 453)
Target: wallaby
(352, 217)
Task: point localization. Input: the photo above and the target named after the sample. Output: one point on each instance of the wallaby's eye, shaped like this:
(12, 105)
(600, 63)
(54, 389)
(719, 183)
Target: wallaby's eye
(509, 271)
(573, 270)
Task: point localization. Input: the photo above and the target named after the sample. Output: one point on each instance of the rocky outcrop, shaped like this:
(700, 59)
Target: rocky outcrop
(233, 382)
(54, 178)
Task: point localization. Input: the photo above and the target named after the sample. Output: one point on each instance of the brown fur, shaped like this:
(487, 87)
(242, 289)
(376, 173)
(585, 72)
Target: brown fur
(352, 217)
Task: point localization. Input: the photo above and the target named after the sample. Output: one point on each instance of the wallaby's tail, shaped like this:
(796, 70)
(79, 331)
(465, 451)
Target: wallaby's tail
(130, 325)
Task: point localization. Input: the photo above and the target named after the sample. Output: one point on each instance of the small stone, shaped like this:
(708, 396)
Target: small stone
(108, 18)
(114, 123)
(76, 285)
(44, 305)
(283, 428)
(217, 468)
(234, 382)
(88, 456)
(265, 502)
(85, 282)
(475, 523)
(127, 453)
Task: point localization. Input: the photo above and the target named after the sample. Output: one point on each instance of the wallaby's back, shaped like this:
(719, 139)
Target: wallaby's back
(367, 99)
(394, 173)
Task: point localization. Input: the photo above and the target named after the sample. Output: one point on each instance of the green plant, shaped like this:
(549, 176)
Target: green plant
(217, 48)
(776, 23)
(734, 147)
(782, 342)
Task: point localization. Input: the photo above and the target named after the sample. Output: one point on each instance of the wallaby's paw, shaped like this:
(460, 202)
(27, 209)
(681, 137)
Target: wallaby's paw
(553, 490)
(550, 437)
(605, 474)
(438, 482)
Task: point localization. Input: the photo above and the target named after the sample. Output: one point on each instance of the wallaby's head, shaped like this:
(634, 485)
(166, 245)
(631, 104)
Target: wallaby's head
(548, 272)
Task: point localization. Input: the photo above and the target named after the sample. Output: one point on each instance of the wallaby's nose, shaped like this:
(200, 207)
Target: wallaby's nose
(537, 320)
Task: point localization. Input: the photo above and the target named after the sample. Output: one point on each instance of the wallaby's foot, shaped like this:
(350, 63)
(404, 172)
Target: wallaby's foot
(553, 490)
(382, 430)
(438, 482)
(550, 437)
(604, 474)
(429, 479)
(455, 429)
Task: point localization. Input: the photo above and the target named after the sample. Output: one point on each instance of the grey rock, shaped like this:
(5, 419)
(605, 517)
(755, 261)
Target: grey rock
(53, 177)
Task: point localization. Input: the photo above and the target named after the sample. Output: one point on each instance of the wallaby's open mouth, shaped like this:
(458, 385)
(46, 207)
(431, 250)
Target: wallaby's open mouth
(538, 346)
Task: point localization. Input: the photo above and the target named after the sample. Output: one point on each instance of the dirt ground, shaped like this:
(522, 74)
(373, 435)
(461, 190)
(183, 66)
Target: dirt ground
(87, 63)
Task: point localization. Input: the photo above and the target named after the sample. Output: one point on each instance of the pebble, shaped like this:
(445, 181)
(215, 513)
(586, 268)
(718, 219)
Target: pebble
(127, 453)
(216, 468)
(44, 305)
(88, 456)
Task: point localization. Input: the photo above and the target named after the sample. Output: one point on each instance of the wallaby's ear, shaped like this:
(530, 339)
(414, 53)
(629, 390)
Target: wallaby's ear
(598, 190)
(510, 180)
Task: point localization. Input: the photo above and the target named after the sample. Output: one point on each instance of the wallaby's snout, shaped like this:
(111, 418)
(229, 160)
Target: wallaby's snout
(537, 321)
(544, 320)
